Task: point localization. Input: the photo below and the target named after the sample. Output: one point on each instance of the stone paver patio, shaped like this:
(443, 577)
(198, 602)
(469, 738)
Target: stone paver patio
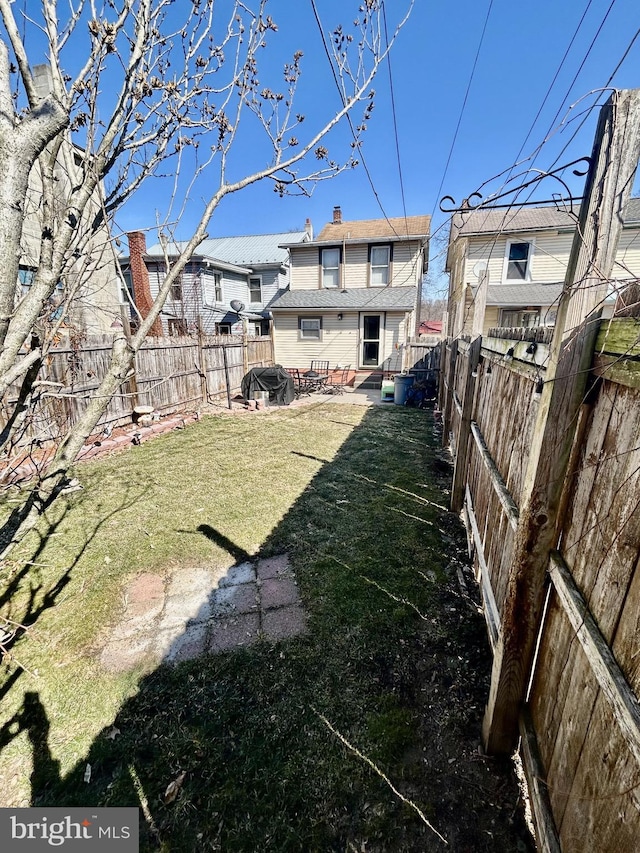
(200, 611)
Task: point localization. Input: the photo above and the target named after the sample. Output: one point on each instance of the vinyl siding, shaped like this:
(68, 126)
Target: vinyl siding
(406, 267)
(550, 256)
(340, 340)
(628, 255)
(548, 260)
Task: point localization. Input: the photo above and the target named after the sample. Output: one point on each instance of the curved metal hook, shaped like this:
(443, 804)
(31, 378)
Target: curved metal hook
(466, 203)
(539, 177)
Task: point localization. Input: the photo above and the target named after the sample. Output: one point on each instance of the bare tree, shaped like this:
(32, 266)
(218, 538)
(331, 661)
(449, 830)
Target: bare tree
(137, 89)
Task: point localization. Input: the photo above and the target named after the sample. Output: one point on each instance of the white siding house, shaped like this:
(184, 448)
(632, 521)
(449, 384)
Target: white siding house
(225, 273)
(352, 295)
(507, 267)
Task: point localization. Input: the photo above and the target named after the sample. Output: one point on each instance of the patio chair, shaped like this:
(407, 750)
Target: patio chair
(317, 376)
(300, 385)
(320, 367)
(337, 381)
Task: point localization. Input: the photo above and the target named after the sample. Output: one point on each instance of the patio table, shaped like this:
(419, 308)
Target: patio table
(315, 381)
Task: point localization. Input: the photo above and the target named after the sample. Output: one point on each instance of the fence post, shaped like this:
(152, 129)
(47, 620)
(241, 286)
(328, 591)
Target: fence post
(462, 441)
(131, 380)
(204, 390)
(448, 379)
(607, 189)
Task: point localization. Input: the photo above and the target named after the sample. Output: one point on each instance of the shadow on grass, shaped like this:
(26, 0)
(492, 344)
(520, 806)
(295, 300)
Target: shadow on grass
(238, 553)
(395, 660)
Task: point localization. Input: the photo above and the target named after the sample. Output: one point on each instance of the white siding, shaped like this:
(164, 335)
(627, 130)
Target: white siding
(304, 274)
(550, 256)
(406, 266)
(340, 342)
(628, 255)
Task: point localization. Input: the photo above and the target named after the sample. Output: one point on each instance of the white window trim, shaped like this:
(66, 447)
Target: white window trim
(302, 337)
(259, 301)
(323, 267)
(382, 332)
(386, 266)
(505, 268)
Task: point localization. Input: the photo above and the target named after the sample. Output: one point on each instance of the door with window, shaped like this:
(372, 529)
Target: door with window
(371, 330)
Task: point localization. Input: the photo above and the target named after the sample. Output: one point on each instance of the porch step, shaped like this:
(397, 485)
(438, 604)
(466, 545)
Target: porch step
(368, 381)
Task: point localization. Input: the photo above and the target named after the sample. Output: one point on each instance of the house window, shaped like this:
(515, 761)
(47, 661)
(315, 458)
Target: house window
(223, 328)
(330, 263)
(255, 289)
(513, 318)
(177, 328)
(176, 292)
(518, 261)
(380, 260)
(217, 287)
(309, 328)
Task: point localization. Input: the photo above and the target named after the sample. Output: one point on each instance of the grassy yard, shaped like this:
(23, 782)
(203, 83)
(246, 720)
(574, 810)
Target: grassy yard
(284, 746)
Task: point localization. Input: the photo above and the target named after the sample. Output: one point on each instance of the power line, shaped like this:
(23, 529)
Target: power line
(555, 77)
(464, 104)
(393, 114)
(348, 115)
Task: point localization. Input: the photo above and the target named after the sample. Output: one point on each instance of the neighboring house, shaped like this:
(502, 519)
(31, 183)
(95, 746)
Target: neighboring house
(507, 267)
(91, 281)
(431, 327)
(352, 294)
(224, 271)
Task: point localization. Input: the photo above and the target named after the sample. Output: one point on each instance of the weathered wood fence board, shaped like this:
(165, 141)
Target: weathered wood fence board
(169, 373)
(581, 722)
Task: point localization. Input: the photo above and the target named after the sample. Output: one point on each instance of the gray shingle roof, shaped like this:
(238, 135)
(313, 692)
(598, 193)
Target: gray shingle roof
(249, 250)
(508, 220)
(359, 298)
(523, 295)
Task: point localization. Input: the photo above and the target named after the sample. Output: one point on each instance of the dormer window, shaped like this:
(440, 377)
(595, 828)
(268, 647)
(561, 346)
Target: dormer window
(330, 267)
(380, 263)
(518, 261)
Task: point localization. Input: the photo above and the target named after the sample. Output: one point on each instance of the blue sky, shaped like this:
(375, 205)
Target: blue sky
(431, 67)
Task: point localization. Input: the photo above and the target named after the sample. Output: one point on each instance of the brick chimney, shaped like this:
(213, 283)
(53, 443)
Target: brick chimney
(337, 215)
(140, 278)
(308, 227)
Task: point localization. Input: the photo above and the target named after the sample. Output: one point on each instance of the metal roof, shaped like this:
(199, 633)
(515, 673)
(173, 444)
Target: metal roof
(358, 299)
(246, 251)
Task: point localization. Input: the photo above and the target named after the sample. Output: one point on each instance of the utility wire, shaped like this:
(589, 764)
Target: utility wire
(395, 122)
(464, 104)
(348, 116)
(552, 84)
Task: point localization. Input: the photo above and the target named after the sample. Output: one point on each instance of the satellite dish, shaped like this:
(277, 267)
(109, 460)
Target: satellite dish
(237, 306)
(479, 269)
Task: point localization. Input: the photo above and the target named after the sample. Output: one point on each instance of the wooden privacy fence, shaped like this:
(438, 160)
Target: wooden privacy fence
(579, 717)
(169, 374)
(423, 360)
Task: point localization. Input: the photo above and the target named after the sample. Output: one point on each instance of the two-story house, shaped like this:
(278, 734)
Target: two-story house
(226, 288)
(507, 266)
(352, 294)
